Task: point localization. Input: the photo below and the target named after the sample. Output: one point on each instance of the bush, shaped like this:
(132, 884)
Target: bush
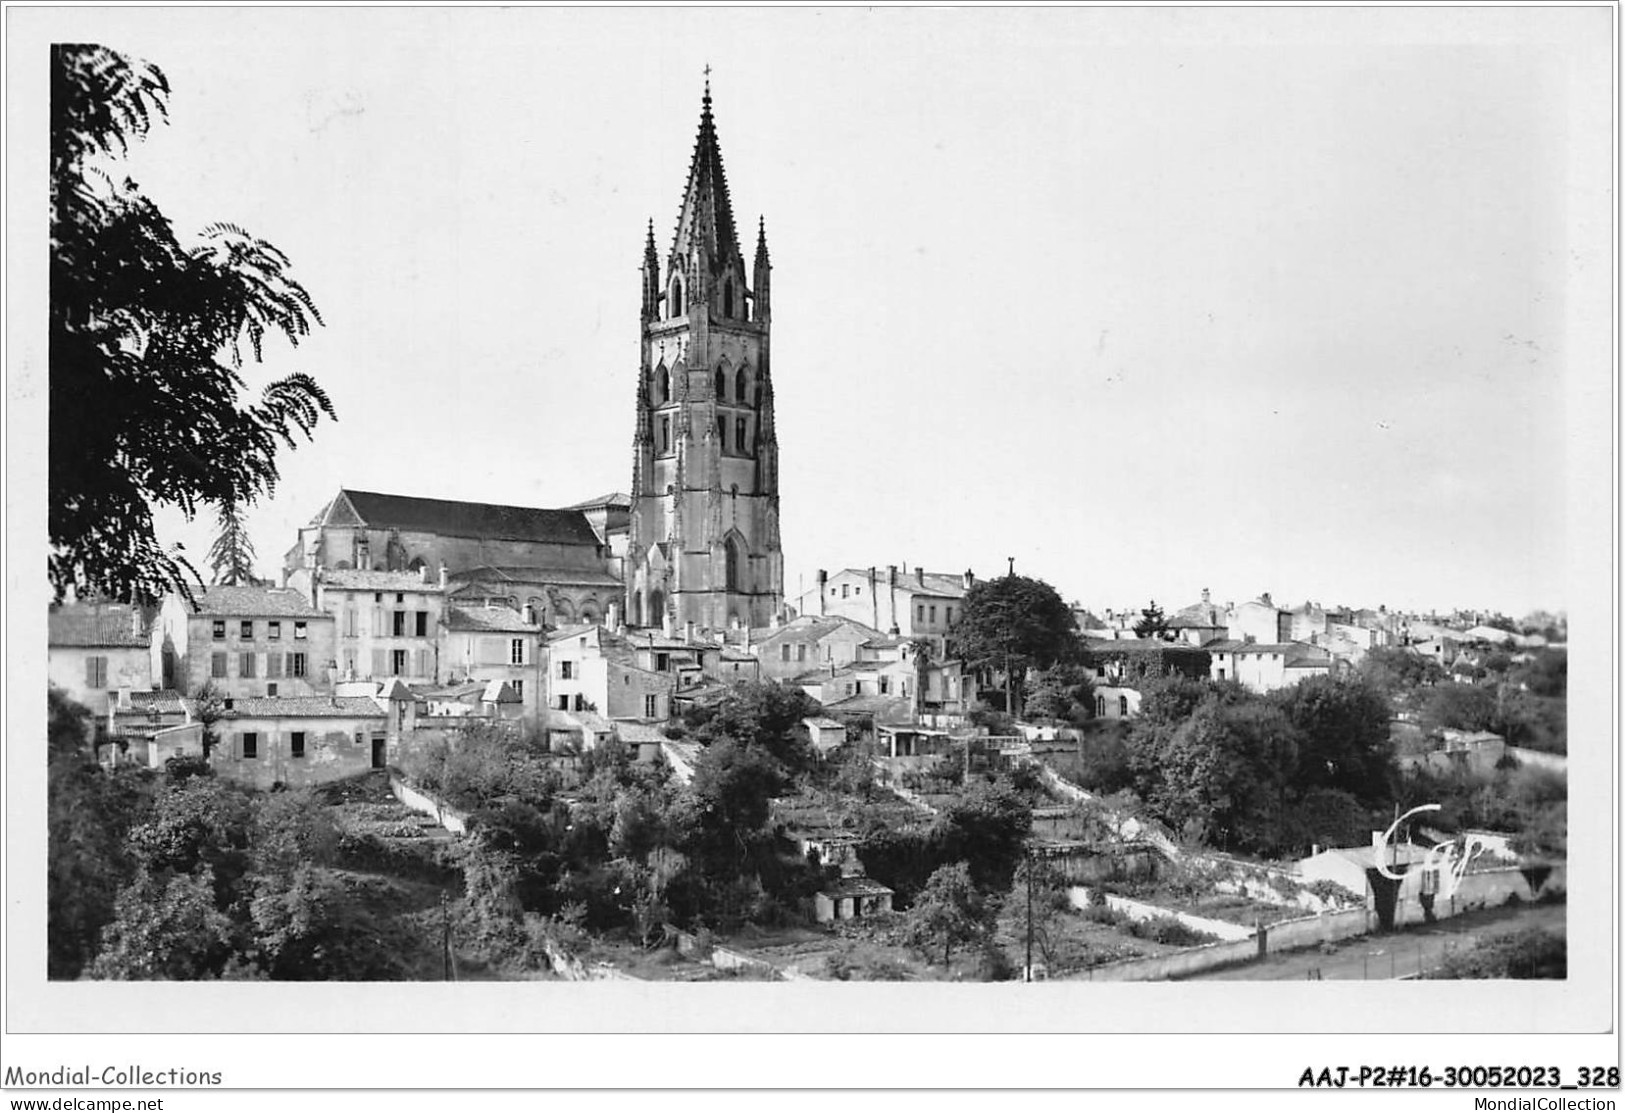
(1169, 932)
(1528, 954)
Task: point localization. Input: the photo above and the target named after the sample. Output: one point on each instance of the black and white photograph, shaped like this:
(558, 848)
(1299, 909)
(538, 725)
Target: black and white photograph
(934, 523)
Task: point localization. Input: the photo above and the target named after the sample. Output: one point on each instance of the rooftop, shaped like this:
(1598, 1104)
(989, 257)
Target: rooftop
(375, 579)
(96, 625)
(481, 520)
(256, 602)
(305, 707)
(533, 574)
(503, 620)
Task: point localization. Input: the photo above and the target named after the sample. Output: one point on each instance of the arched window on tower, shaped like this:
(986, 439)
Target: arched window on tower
(740, 440)
(665, 435)
(676, 297)
(741, 386)
(663, 386)
(736, 562)
(722, 386)
(728, 297)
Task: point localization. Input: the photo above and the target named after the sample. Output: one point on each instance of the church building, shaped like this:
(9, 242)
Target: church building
(703, 540)
(696, 544)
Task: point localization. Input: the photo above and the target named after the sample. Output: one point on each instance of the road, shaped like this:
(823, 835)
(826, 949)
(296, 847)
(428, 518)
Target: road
(1397, 955)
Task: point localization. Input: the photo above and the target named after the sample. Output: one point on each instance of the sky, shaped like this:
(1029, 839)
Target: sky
(1150, 300)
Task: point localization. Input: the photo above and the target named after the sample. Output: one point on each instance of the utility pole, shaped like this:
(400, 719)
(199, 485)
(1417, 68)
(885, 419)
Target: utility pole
(1027, 975)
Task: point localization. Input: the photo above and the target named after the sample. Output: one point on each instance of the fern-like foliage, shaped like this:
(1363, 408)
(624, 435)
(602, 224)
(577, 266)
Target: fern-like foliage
(148, 405)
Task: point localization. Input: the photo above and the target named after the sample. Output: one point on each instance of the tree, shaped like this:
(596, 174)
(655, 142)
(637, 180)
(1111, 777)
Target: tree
(951, 911)
(1062, 692)
(231, 557)
(1013, 624)
(148, 404)
(1152, 624)
(1452, 706)
(766, 716)
(734, 783)
(165, 928)
(1345, 743)
(1398, 673)
(1225, 773)
(986, 828)
(88, 813)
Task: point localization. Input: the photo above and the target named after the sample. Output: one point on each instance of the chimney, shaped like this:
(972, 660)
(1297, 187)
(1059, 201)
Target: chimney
(135, 621)
(919, 575)
(688, 632)
(891, 573)
(969, 579)
(423, 573)
(612, 616)
(124, 699)
(1266, 600)
(442, 575)
(823, 581)
(1205, 598)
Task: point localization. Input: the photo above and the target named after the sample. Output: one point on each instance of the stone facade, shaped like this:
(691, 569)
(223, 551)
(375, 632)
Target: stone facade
(703, 542)
(245, 641)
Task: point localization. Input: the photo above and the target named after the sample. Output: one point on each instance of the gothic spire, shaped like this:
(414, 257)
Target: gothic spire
(706, 219)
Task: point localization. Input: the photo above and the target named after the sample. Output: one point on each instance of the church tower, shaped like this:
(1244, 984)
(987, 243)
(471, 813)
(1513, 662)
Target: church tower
(703, 544)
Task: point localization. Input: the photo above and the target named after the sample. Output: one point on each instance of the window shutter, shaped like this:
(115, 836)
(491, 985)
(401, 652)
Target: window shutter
(273, 666)
(423, 663)
(380, 663)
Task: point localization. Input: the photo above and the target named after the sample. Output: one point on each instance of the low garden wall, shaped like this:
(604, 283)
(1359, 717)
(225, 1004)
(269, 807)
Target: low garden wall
(1179, 964)
(448, 817)
(1311, 931)
(1081, 895)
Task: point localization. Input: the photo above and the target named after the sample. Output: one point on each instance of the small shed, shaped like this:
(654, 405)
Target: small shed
(826, 734)
(851, 898)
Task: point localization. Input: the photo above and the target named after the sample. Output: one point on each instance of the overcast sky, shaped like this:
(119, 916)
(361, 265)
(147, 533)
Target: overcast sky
(1152, 300)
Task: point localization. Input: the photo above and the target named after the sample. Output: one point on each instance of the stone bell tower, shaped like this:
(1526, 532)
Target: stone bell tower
(704, 531)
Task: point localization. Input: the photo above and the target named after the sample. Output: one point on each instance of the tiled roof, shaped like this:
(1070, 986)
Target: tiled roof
(535, 574)
(305, 707)
(376, 579)
(1199, 614)
(164, 698)
(496, 619)
(565, 633)
(855, 887)
(468, 519)
(498, 691)
(256, 602)
(96, 625)
(889, 709)
(813, 628)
